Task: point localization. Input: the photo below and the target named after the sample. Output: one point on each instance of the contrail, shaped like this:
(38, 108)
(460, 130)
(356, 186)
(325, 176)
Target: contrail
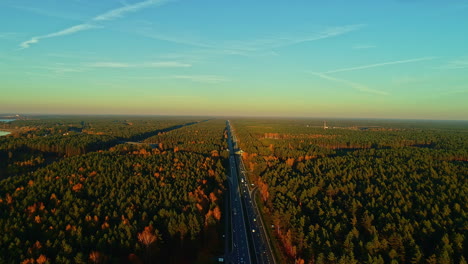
(380, 65)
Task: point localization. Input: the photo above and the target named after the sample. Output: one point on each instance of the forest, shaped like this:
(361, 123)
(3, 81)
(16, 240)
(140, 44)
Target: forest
(114, 202)
(38, 142)
(151, 189)
(355, 191)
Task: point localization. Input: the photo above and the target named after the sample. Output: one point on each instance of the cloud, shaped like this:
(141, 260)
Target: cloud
(356, 86)
(60, 69)
(464, 91)
(70, 30)
(329, 32)
(119, 12)
(177, 40)
(94, 22)
(360, 87)
(48, 12)
(168, 64)
(67, 31)
(158, 64)
(9, 35)
(364, 46)
(284, 41)
(201, 78)
(380, 65)
(460, 63)
(247, 47)
(27, 43)
(75, 55)
(109, 65)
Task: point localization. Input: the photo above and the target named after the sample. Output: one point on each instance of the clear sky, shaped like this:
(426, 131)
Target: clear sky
(375, 59)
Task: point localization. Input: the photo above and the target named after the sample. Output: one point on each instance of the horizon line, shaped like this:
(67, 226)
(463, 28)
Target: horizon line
(231, 116)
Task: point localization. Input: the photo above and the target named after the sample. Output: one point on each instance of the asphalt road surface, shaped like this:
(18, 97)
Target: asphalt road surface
(246, 221)
(240, 246)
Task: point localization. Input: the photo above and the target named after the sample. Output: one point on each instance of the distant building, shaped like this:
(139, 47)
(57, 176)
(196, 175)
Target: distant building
(325, 125)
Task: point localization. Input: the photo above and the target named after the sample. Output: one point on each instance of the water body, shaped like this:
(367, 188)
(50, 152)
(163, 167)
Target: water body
(4, 133)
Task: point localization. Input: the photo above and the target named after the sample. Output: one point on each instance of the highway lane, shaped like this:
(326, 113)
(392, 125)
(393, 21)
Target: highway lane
(227, 222)
(256, 229)
(240, 247)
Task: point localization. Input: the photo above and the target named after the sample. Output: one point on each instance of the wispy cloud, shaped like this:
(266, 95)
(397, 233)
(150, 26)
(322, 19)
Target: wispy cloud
(67, 31)
(64, 68)
(119, 12)
(364, 46)
(460, 63)
(201, 78)
(49, 13)
(463, 91)
(82, 55)
(109, 65)
(157, 64)
(9, 35)
(380, 65)
(284, 41)
(95, 21)
(356, 86)
(246, 47)
(361, 87)
(327, 33)
(60, 69)
(168, 64)
(177, 40)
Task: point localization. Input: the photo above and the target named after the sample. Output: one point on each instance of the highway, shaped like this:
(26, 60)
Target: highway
(260, 249)
(240, 246)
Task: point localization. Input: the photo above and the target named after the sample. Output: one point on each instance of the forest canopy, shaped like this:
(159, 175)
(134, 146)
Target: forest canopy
(355, 191)
(119, 202)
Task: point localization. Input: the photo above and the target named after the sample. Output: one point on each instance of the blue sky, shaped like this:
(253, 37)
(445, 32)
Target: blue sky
(385, 59)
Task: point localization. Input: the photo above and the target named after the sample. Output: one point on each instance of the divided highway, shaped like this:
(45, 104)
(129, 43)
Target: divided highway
(240, 246)
(248, 218)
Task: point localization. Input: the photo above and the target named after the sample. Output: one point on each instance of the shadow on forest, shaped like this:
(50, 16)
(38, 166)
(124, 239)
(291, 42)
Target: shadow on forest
(149, 134)
(49, 156)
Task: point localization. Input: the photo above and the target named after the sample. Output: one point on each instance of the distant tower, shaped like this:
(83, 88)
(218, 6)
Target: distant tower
(325, 125)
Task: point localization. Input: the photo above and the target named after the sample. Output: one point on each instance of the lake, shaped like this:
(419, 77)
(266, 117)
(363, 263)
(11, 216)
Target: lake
(7, 120)
(4, 133)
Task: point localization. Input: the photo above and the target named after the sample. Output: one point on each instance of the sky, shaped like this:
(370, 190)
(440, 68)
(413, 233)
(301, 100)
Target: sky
(344, 59)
